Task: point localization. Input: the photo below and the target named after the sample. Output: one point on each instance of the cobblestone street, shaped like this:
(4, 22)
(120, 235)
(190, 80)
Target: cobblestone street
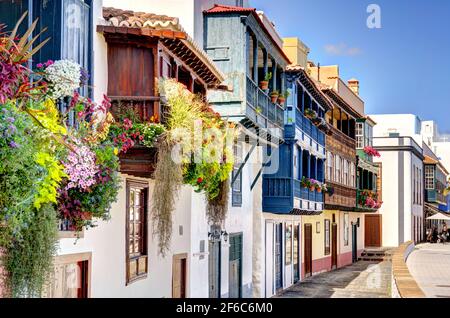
(429, 264)
(360, 280)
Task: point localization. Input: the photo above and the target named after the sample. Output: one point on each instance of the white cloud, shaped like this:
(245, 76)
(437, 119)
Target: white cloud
(342, 49)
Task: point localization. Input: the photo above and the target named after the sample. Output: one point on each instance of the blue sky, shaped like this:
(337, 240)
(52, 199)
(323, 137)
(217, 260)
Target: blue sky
(404, 67)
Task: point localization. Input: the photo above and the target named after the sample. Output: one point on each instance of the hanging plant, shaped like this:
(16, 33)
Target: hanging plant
(206, 167)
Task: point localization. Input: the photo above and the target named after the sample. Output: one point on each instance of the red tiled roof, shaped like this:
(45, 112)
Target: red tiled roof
(219, 8)
(171, 33)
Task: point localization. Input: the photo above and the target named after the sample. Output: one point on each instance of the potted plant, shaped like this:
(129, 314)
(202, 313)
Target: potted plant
(312, 186)
(318, 188)
(310, 114)
(306, 183)
(282, 98)
(264, 85)
(274, 96)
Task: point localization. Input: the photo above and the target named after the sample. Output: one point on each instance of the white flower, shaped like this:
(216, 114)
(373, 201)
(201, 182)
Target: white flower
(64, 78)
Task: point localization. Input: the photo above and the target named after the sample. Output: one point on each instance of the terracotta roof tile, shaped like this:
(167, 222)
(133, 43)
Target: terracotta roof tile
(142, 20)
(219, 8)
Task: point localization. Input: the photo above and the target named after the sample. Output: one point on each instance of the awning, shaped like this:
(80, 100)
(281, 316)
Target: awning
(439, 216)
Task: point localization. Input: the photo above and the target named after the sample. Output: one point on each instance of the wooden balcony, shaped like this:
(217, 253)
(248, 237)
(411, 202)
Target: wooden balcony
(145, 107)
(342, 197)
(139, 161)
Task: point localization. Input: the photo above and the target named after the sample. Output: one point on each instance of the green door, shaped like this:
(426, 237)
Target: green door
(235, 266)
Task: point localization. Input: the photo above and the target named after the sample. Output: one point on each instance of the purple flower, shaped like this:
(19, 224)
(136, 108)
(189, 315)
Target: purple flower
(84, 76)
(10, 119)
(39, 65)
(13, 144)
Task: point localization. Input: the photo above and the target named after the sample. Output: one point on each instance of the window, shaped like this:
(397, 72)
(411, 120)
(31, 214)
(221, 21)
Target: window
(346, 229)
(288, 245)
(136, 230)
(70, 277)
(327, 237)
(352, 175)
(429, 178)
(236, 197)
(346, 182)
(338, 168)
(359, 135)
(330, 166)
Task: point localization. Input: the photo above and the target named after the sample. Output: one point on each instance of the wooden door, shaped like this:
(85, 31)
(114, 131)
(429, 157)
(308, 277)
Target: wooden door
(334, 245)
(235, 267)
(373, 230)
(214, 269)
(179, 276)
(296, 253)
(308, 250)
(354, 243)
(278, 257)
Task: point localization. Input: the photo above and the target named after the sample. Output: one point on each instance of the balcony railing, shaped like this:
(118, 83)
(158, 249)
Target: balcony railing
(362, 200)
(145, 107)
(281, 188)
(262, 104)
(309, 128)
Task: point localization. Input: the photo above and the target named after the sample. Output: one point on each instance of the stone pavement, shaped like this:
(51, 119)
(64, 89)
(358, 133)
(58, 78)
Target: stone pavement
(429, 264)
(360, 280)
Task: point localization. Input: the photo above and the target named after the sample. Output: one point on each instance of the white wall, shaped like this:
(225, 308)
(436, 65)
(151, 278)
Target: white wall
(389, 209)
(394, 194)
(404, 124)
(107, 244)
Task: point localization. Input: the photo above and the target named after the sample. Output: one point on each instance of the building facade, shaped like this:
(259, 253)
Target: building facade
(402, 211)
(247, 50)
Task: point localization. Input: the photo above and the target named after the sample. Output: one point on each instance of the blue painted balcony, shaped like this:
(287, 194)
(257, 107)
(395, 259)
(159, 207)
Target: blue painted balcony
(286, 196)
(283, 192)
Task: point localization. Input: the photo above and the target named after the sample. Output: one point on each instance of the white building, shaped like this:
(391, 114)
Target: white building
(402, 188)
(97, 264)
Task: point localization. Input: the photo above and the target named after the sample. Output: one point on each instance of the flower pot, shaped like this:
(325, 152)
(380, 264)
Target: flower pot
(264, 85)
(281, 100)
(312, 189)
(319, 190)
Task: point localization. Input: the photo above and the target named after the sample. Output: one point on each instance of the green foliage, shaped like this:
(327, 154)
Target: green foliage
(268, 76)
(47, 191)
(29, 261)
(150, 132)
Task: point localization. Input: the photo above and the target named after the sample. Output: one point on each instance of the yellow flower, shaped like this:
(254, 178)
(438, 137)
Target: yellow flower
(116, 151)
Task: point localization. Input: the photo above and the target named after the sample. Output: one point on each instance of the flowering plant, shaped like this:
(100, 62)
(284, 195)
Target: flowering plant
(63, 76)
(127, 134)
(370, 151)
(310, 113)
(80, 167)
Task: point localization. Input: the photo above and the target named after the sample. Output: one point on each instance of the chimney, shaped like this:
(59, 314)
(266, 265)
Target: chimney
(353, 84)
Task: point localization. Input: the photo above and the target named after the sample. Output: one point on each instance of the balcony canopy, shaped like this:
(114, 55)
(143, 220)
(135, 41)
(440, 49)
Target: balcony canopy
(169, 32)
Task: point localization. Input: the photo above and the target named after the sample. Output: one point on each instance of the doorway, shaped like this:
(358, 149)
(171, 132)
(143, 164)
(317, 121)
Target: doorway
(235, 266)
(214, 269)
(308, 250)
(334, 237)
(372, 230)
(179, 276)
(278, 256)
(354, 243)
(296, 253)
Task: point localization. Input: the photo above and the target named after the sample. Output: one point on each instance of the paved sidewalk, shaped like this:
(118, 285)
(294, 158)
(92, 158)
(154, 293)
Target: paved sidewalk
(429, 264)
(360, 280)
